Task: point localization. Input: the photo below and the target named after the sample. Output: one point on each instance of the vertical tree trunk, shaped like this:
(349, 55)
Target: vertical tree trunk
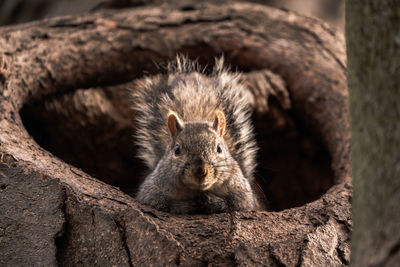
(373, 43)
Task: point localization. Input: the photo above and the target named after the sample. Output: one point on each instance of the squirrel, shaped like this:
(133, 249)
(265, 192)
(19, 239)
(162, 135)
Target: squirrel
(194, 133)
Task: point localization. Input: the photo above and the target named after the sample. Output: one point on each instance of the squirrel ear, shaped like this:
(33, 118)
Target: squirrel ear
(219, 122)
(174, 123)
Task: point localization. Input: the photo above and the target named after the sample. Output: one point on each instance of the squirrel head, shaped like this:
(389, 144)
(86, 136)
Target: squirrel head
(199, 155)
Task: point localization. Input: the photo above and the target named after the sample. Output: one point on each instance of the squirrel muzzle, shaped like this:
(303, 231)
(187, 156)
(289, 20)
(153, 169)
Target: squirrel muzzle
(200, 171)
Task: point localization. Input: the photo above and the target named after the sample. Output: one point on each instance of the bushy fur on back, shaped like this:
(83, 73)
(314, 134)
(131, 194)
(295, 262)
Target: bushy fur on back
(194, 96)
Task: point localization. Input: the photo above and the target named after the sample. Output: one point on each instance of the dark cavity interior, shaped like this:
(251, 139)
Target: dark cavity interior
(93, 129)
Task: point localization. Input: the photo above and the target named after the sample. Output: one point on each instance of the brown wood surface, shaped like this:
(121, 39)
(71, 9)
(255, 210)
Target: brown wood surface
(62, 99)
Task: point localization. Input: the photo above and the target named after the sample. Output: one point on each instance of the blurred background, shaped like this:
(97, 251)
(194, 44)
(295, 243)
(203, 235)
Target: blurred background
(19, 11)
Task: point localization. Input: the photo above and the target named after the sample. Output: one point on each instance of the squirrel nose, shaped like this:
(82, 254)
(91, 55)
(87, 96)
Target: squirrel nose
(200, 172)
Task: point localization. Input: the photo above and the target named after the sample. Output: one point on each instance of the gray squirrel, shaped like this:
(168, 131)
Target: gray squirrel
(194, 134)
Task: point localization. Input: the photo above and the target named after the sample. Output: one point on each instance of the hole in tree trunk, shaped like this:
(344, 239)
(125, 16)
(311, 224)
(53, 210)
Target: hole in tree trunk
(93, 129)
(294, 167)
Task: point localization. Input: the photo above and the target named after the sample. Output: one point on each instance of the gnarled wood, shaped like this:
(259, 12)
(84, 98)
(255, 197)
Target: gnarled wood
(62, 86)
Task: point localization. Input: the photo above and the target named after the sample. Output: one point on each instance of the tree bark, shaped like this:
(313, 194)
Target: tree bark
(373, 51)
(63, 107)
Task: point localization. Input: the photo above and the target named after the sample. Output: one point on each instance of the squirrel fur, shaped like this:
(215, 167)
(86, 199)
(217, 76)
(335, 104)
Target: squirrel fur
(194, 134)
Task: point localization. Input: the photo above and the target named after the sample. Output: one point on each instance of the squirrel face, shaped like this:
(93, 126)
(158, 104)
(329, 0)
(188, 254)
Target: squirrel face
(198, 151)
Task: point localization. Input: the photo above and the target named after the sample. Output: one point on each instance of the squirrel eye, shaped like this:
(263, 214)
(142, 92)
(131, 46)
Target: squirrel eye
(219, 148)
(177, 150)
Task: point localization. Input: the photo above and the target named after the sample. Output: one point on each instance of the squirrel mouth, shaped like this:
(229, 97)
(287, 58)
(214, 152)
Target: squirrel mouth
(205, 186)
(202, 186)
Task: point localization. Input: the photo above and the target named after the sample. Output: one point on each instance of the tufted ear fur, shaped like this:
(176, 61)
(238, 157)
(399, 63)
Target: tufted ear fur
(219, 122)
(175, 124)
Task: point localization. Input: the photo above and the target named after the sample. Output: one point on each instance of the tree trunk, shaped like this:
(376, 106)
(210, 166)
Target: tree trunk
(68, 171)
(373, 43)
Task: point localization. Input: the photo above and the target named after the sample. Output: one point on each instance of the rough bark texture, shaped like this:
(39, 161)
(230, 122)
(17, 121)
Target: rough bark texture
(373, 51)
(62, 100)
